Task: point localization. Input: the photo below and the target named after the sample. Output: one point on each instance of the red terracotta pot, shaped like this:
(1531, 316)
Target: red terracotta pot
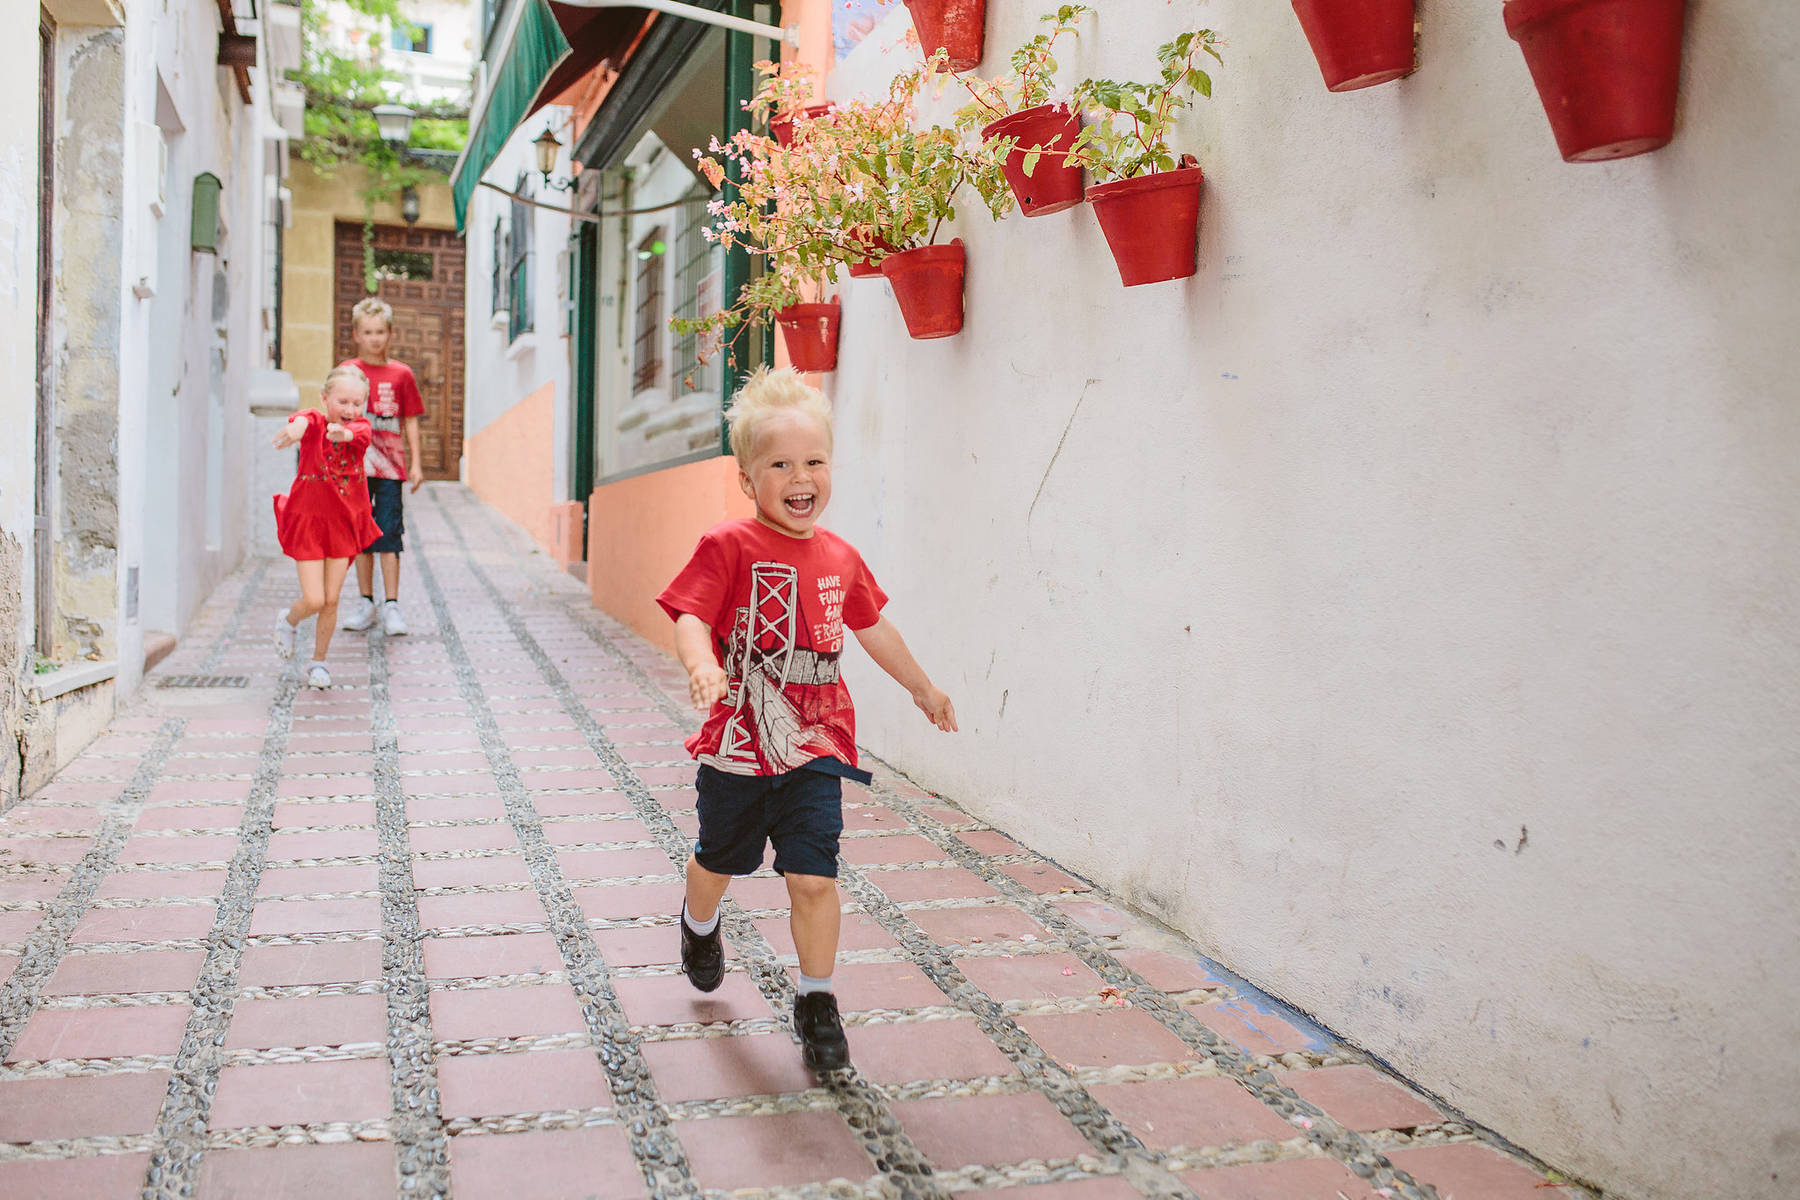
(782, 128)
(928, 283)
(1054, 185)
(868, 268)
(958, 26)
(1359, 43)
(811, 334)
(1606, 70)
(1151, 223)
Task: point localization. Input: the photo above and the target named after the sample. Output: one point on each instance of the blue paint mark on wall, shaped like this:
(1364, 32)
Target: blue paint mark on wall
(1252, 1002)
(854, 20)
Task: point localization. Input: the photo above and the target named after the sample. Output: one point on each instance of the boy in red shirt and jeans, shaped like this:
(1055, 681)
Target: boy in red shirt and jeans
(760, 612)
(394, 411)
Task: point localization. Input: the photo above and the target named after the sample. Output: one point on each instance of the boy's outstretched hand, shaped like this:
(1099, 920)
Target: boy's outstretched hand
(707, 685)
(935, 704)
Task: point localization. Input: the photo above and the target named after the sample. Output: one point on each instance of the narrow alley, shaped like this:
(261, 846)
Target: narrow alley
(264, 940)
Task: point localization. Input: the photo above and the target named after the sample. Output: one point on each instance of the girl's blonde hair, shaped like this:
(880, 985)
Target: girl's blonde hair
(369, 306)
(764, 394)
(357, 381)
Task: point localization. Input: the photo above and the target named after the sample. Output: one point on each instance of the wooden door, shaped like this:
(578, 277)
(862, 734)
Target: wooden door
(420, 273)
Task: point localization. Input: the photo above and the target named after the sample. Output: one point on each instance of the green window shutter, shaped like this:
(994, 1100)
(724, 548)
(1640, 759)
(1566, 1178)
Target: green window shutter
(206, 212)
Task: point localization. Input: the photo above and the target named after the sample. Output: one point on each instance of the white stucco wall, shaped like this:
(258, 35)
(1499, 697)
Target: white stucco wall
(1404, 606)
(502, 371)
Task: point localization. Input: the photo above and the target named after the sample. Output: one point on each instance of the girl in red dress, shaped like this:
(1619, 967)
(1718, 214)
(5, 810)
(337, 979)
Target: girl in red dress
(324, 520)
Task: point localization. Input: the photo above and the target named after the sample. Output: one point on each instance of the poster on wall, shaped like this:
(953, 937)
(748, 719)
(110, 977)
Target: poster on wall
(854, 20)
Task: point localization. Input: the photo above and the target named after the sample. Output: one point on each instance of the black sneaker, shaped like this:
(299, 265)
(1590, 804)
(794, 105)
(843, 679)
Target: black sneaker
(702, 957)
(822, 1042)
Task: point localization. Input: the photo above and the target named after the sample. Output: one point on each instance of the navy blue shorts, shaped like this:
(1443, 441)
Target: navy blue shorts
(386, 498)
(801, 812)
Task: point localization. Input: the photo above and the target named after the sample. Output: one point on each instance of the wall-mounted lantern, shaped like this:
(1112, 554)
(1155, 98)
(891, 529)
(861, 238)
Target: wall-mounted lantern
(206, 212)
(409, 204)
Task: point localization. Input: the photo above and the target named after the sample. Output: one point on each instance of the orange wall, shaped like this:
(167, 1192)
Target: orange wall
(510, 467)
(642, 530)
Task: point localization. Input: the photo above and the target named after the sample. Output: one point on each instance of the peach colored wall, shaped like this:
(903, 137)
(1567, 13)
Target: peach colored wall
(510, 467)
(641, 531)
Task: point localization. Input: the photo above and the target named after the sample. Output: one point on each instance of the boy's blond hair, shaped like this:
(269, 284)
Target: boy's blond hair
(347, 375)
(764, 394)
(371, 306)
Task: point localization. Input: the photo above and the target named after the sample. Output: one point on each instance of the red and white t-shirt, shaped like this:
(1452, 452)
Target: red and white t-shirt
(393, 396)
(778, 607)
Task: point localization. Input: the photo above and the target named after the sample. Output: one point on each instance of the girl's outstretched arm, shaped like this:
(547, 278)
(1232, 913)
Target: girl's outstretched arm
(291, 433)
(888, 649)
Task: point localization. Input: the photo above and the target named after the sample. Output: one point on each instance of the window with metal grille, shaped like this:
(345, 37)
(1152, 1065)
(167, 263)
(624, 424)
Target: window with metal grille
(698, 276)
(518, 270)
(647, 358)
(497, 277)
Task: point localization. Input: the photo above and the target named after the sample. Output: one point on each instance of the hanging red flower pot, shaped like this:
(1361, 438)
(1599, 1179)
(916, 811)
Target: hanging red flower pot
(811, 334)
(1359, 43)
(1151, 223)
(869, 267)
(928, 283)
(782, 128)
(1606, 70)
(1054, 184)
(956, 26)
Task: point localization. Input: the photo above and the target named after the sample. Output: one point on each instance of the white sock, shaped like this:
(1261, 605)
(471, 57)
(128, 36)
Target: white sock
(317, 662)
(809, 985)
(700, 927)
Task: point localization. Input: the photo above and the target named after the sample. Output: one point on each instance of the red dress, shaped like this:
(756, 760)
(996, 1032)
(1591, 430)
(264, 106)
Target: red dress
(326, 512)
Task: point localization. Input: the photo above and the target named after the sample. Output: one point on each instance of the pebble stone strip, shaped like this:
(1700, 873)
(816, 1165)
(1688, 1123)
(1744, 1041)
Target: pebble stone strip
(180, 1136)
(421, 1148)
(904, 1169)
(655, 1148)
(1352, 1149)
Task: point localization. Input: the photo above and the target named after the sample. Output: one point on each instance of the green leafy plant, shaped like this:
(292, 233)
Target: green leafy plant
(855, 184)
(1127, 126)
(1029, 83)
(785, 90)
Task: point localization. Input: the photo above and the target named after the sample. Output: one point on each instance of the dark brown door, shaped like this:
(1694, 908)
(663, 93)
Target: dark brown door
(420, 273)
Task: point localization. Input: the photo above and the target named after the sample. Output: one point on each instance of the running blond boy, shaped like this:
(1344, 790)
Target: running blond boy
(394, 457)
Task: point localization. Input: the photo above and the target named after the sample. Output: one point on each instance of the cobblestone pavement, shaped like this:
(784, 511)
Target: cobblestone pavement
(414, 935)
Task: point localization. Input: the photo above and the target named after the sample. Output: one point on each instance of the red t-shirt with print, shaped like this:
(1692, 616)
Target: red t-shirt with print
(393, 396)
(778, 607)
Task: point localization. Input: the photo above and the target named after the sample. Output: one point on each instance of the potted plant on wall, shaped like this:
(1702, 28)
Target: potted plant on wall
(1606, 70)
(957, 27)
(1359, 43)
(1147, 200)
(1032, 127)
(784, 98)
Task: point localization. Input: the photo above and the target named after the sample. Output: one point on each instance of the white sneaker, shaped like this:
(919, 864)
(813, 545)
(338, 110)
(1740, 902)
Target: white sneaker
(317, 676)
(284, 635)
(392, 623)
(360, 614)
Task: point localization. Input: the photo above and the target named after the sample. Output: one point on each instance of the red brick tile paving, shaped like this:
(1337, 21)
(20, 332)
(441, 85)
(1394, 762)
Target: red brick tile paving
(857, 932)
(505, 1012)
(302, 815)
(120, 1175)
(615, 902)
(462, 872)
(1359, 1098)
(302, 1093)
(83, 1106)
(717, 1068)
(900, 848)
(1251, 1028)
(1296, 1179)
(1196, 1111)
(316, 916)
(135, 971)
(300, 881)
(989, 1130)
(1043, 878)
(481, 1085)
(955, 1049)
(1169, 972)
(558, 1164)
(101, 1032)
(484, 908)
(1470, 1171)
(671, 1000)
(494, 835)
(786, 1150)
(943, 883)
(1031, 976)
(145, 923)
(1112, 1037)
(864, 986)
(978, 926)
(212, 816)
(307, 1021)
(318, 962)
(351, 1171)
(614, 864)
(1073, 1189)
(506, 954)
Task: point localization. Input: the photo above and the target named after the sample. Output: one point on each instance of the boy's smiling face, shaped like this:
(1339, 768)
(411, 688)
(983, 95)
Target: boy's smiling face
(789, 473)
(372, 335)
